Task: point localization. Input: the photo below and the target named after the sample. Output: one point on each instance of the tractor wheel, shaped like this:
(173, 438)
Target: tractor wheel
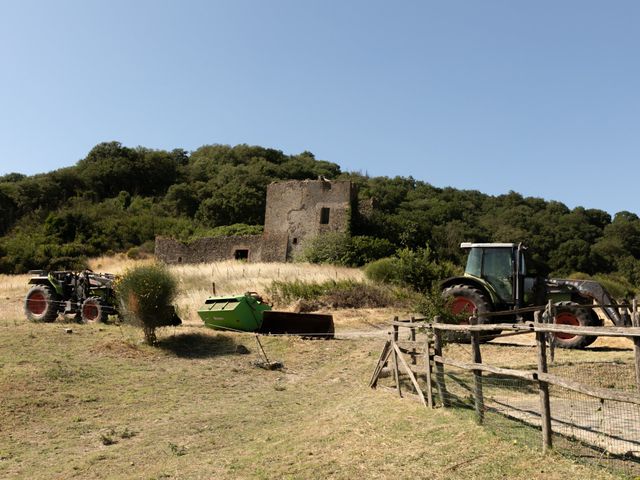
(93, 310)
(465, 299)
(569, 313)
(41, 304)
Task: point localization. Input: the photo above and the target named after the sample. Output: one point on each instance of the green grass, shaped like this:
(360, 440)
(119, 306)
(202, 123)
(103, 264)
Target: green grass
(97, 404)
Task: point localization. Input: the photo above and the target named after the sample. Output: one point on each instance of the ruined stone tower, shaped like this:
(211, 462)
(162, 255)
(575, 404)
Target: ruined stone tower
(305, 209)
(295, 212)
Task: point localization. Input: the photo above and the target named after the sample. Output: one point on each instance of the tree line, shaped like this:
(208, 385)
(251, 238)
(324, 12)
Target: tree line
(118, 198)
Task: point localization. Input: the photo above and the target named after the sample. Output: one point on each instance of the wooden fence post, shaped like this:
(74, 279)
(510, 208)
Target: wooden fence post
(396, 372)
(635, 321)
(396, 329)
(476, 357)
(384, 358)
(545, 405)
(437, 350)
(427, 367)
(414, 354)
(551, 318)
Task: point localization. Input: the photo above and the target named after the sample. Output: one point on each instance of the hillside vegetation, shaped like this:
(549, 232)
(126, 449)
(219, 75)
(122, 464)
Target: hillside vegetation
(118, 198)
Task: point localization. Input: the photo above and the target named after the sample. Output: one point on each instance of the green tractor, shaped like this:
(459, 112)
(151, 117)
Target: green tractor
(87, 296)
(495, 279)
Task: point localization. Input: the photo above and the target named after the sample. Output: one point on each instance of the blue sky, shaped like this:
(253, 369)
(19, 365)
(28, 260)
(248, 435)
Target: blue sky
(538, 97)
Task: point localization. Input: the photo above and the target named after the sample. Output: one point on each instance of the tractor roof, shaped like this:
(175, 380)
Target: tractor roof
(488, 245)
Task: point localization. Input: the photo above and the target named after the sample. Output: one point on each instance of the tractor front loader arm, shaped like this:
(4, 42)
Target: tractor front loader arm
(595, 291)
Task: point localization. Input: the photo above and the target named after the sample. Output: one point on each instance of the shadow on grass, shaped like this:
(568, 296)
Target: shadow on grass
(200, 345)
(510, 344)
(608, 349)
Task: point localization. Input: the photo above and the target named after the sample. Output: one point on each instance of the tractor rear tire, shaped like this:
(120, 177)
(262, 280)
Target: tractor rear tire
(465, 300)
(570, 313)
(41, 304)
(93, 310)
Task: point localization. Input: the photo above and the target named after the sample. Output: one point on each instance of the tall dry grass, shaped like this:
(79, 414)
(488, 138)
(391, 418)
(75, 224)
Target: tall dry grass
(231, 277)
(195, 281)
(115, 263)
(13, 289)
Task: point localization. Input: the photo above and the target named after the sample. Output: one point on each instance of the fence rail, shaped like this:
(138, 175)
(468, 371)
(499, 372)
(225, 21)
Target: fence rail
(435, 363)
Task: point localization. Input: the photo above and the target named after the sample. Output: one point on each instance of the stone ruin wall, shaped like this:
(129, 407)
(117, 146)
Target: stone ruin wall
(261, 248)
(296, 211)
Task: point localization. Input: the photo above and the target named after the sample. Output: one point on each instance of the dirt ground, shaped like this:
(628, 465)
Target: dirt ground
(95, 403)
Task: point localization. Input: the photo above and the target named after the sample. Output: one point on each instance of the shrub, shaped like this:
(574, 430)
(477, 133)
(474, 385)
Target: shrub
(420, 270)
(67, 263)
(343, 249)
(433, 303)
(413, 268)
(145, 250)
(384, 270)
(617, 285)
(134, 253)
(146, 292)
(629, 269)
(334, 294)
(327, 248)
(365, 249)
(283, 293)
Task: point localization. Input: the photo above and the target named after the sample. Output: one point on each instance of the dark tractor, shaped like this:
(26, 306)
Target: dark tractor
(87, 296)
(495, 279)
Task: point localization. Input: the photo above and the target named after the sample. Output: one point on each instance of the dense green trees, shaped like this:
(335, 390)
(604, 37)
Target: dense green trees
(110, 168)
(118, 198)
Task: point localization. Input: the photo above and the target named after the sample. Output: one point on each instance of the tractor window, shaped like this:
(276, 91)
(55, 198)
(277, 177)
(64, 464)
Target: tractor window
(523, 266)
(497, 269)
(474, 262)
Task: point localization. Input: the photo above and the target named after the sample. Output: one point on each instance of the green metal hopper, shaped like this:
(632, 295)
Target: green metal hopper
(235, 312)
(248, 313)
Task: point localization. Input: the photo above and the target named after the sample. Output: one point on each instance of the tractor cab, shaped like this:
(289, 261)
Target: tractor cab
(500, 268)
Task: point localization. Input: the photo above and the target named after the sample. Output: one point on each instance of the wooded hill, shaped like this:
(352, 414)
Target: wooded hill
(119, 198)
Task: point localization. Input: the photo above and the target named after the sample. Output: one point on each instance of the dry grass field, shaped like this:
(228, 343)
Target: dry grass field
(95, 403)
(230, 277)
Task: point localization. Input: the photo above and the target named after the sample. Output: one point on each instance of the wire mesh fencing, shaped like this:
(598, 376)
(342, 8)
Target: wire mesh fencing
(583, 425)
(586, 428)
(600, 430)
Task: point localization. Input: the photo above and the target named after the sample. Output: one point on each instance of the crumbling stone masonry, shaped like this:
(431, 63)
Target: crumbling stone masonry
(252, 248)
(303, 210)
(295, 212)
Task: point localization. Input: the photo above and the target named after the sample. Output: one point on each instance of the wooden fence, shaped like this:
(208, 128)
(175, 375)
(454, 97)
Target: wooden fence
(403, 356)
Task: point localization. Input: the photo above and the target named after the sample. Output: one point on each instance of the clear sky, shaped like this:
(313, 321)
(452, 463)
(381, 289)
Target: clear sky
(541, 97)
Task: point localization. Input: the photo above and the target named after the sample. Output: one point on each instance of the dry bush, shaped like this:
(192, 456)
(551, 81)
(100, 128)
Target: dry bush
(147, 291)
